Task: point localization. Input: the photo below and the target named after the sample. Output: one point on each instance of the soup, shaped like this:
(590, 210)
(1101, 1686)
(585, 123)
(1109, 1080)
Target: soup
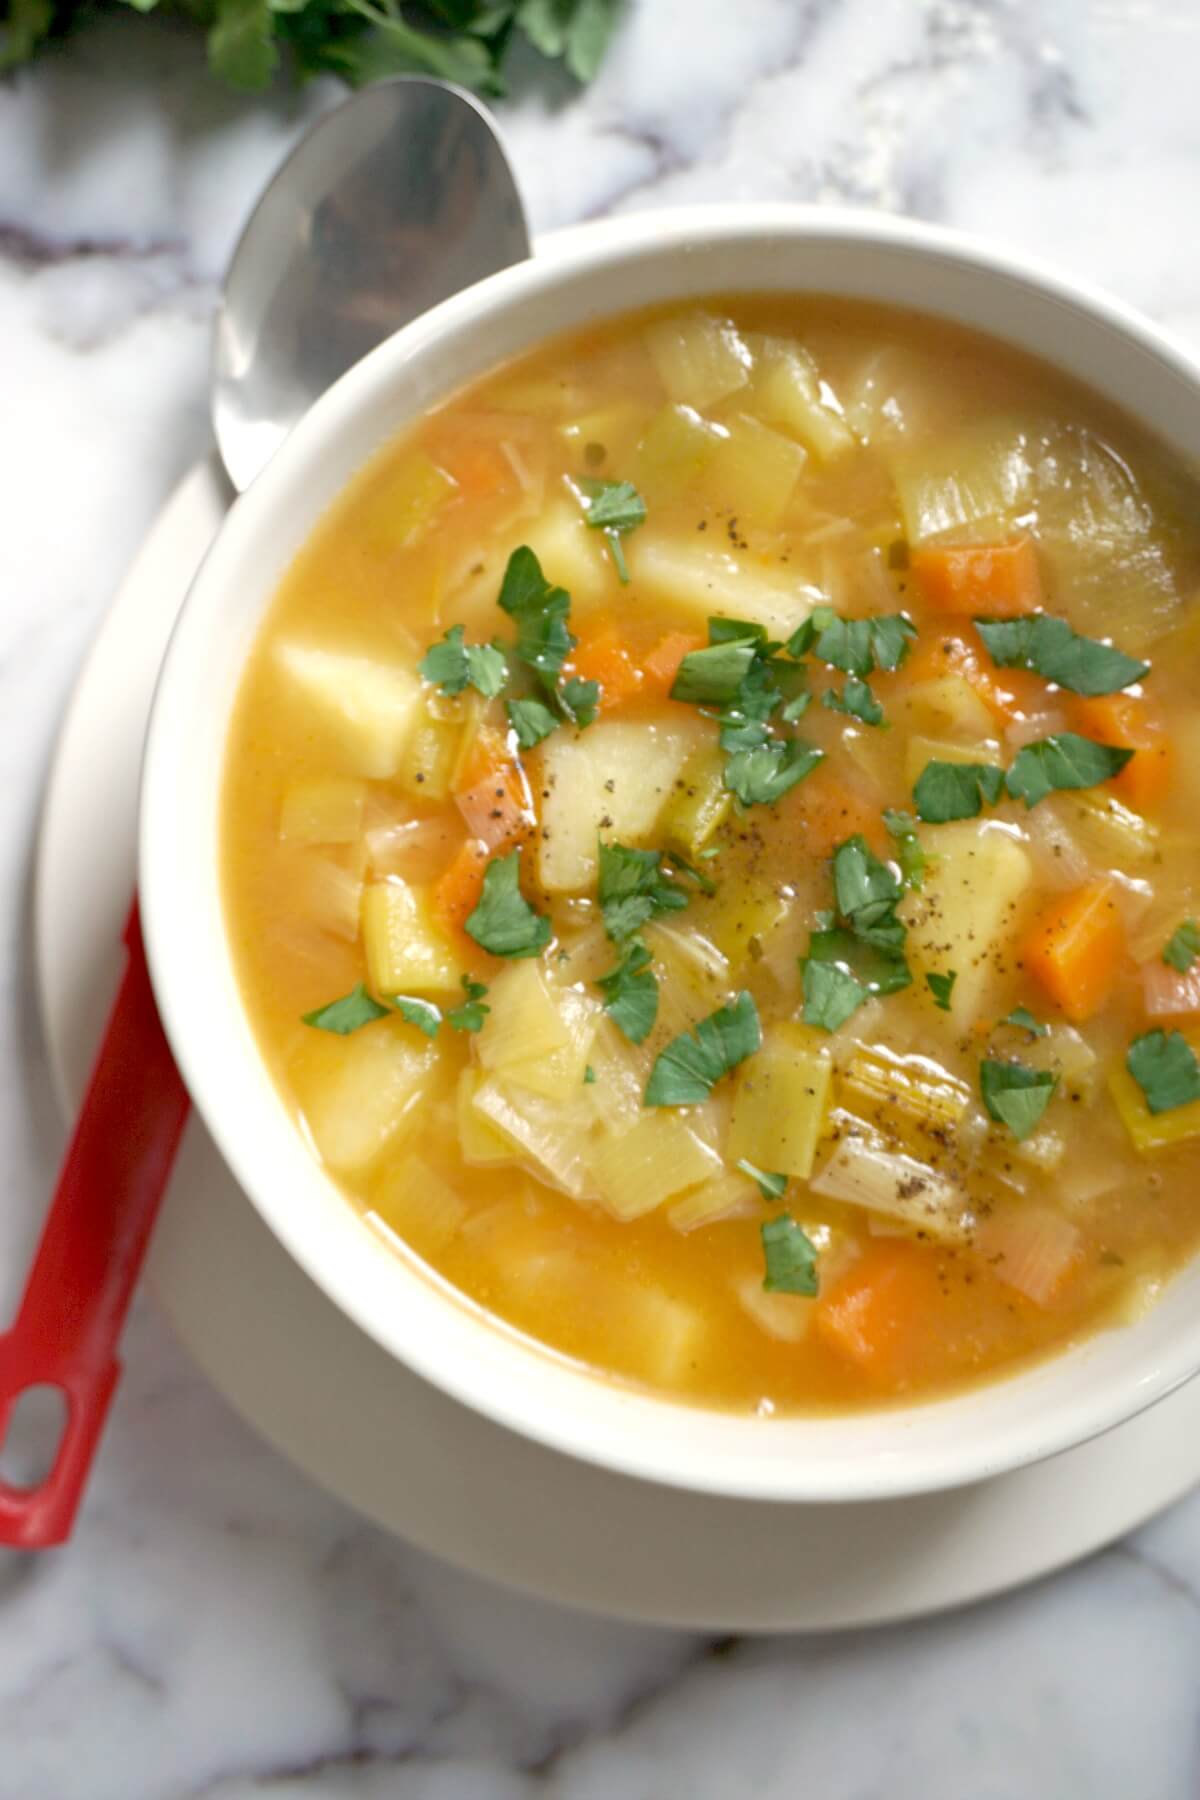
(710, 843)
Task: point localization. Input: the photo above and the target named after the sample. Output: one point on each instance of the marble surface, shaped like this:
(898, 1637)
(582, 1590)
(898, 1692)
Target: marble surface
(218, 1627)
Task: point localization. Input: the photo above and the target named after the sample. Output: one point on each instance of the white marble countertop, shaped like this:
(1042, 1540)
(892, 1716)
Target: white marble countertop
(230, 1631)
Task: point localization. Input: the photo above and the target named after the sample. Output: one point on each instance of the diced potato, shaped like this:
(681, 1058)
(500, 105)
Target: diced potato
(785, 1317)
(879, 1083)
(615, 778)
(661, 1337)
(408, 1195)
(699, 804)
(678, 447)
(787, 391)
(968, 916)
(558, 1074)
(551, 1137)
(729, 1195)
(610, 428)
(945, 706)
(480, 1140)
(753, 472)
(1151, 1131)
(639, 1169)
(744, 915)
(572, 555)
(370, 706)
(430, 756)
(703, 581)
(325, 809)
(357, 1093)
(403, 505)
(921, 750)
(406, 952)
(699, 359)
(780, 1103)
(525, 1021)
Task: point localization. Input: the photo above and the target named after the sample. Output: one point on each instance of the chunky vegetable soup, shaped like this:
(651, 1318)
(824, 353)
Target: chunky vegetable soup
(711, 845)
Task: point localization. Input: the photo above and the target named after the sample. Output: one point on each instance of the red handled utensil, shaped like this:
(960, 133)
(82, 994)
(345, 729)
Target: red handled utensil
(91, 1251)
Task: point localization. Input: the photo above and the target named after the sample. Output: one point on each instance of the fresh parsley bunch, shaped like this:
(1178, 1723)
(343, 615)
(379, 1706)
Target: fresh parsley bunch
(464, 41)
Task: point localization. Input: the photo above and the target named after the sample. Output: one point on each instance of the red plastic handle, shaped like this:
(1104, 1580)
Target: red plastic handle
(91, 1251)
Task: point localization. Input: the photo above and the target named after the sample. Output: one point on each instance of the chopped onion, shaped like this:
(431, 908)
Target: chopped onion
(1031, 1248)
(1167, 993)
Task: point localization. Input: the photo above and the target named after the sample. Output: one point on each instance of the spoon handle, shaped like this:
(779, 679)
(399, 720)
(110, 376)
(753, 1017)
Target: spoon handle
(76, 1299)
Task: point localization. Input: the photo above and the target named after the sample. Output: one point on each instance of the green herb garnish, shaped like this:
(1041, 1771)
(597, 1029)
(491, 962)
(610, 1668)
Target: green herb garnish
(763, 776)
(867, 893)
(1165, 1068)
(469, 1016)
(540, 613)
(771, 1187)
(452, 665)
(791, 1258)
(614, 507)
(1183, 946)
(631, 992)
(422, 1013)
(686, 1071)
(1050, 648)
(702, 881)
(1025, 1021)
(580, 700)
(856, 699)
(941, 987)
(589, 1075)
(856, 646)
(1015, 1095)
(946, 790)
(833, 993)
(531, 721)
(504, 923)
(348, 1014)
(902, 829)
(633, 889)
(1063, 761)
(713, 676)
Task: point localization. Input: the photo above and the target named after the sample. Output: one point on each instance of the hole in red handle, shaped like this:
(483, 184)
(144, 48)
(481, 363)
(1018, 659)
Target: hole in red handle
(30, 1447)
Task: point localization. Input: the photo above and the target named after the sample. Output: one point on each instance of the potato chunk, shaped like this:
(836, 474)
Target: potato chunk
(615, 779)
(406, 953)
(368, 706)
(358, 1092)
(969, 914)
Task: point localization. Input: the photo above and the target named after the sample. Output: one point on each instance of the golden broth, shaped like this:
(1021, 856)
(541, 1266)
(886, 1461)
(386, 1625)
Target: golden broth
(789, 453)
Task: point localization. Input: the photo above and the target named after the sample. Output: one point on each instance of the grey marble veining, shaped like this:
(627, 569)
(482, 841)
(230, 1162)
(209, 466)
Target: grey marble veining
(219, 1628)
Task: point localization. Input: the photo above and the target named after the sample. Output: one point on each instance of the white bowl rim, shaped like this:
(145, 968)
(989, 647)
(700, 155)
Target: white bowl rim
(881, 1454)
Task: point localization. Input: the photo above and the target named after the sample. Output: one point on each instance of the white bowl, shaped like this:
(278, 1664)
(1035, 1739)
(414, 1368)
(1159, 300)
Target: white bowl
(416, 1317)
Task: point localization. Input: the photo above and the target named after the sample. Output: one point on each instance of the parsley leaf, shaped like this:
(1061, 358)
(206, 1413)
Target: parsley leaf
(631, 992)
(1183, 946)
(714, 675)
(902, 829)
(891, 636)
(580, 700)
(540, 613)
(941, 987)
(503, 922)
(685, 868)
(866, 891)
(589, 1075)
(791, 1258)
(348, 1014)
(744, 718)
(856, 646)
(1050, 648)
(771, 1187)
(472, 1012)
(633, 890)
(422, 1013)
(856, 699)
(614, 507)
(841, 971)
(1165, 1068)
(946, 790)
(1015, 1095)
(452, 665)
(832, 992)
(761, 777)
(687, 1069)
(1063, 761)
(1021, 1017)
(531, 721)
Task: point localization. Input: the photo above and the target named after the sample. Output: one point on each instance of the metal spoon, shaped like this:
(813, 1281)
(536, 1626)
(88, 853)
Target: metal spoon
(396, 200)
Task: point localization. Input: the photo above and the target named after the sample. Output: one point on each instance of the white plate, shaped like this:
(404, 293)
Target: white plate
(404, 1453)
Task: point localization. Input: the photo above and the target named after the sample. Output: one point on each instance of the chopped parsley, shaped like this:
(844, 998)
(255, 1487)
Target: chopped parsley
(833, 993)
(761, 777)
(631, 992)
(848, 962)
(771, 1187)
(422, 1013)
(580, 700)
(634, 889)
(1164, 1066)
(469, 1016)
(941, 987)
(791, 1258)
(614, 507)
(348, 1014)
(540, 613)
(856, 699)
(702, 881)
(686, 1071)
(714, 675)
(1183, 946)
(589, 1075)
(531, 721)
(1050, 648)
(902, 829)
(1016, 1095)
(503, 922)
(452, 665)
(867, 893)
(1021, 1017)
(1062, 761)
(946, 790)
(856, 646)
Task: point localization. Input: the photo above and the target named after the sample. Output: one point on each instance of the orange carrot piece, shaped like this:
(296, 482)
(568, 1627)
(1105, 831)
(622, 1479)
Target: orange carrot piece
(879, 1315)
(1169, 993)
(822, 811)
(1008, 693)
(602, 655)
(478, 465)
(1126, 721)
(457, 890)
(1074, 948)
(661, 665)
(493, 795)
(996, 581)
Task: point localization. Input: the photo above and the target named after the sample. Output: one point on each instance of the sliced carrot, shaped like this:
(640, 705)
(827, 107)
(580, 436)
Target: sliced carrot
(1126, 721)
(1008, 693)
(879, 1316)
(661, 665)
(493, 794)
(456, 892)
(990, 580)
(1169, 993)
(1074, 948)
(822, 811)
(603, 655)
